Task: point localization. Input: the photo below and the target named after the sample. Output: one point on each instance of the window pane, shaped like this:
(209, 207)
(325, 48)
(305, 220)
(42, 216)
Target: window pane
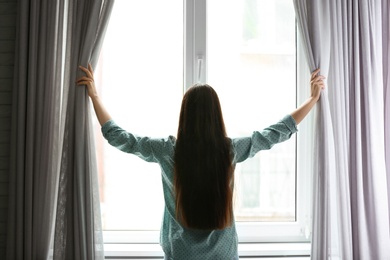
(251, 64)
(140, 72)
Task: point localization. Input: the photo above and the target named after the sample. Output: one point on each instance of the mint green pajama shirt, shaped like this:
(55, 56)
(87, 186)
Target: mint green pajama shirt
(177, 241)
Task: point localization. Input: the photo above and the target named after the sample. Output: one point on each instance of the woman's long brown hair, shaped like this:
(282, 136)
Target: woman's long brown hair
(203, 172)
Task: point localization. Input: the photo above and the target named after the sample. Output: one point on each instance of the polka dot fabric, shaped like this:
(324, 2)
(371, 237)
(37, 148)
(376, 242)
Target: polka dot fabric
(178, 242)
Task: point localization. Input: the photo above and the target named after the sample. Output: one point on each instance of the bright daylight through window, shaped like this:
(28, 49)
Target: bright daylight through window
(251, 61)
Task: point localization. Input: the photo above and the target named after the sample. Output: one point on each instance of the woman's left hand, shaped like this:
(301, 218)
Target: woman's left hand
(88, 81)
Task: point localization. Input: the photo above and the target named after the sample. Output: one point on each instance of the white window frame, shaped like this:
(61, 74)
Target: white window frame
(281, 234)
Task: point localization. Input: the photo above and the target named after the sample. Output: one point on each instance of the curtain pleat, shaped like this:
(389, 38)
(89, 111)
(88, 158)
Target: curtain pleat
(386, 86)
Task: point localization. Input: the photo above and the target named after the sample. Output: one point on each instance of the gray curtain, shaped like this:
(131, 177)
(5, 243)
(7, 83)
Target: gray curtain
(350, 198)
(52, 155)
(36, 135)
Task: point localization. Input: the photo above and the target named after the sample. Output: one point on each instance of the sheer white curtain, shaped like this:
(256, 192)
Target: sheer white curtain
(386, 85)
(78, 232)
(53, 155)
(351, 216)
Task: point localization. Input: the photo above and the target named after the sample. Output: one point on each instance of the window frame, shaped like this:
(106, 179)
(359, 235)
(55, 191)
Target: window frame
(195, 70)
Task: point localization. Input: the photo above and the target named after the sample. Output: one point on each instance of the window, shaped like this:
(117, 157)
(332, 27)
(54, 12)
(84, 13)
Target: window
(247, 50)
(253, 42)
(141, 71)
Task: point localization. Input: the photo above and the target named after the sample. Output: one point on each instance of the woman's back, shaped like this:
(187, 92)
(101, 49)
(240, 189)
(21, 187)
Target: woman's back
(177, 241)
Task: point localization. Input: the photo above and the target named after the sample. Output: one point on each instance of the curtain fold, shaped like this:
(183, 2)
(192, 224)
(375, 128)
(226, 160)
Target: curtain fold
(53, 179)
(350, 217)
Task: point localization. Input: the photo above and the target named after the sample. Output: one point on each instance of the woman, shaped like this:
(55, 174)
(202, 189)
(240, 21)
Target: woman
(198, 168)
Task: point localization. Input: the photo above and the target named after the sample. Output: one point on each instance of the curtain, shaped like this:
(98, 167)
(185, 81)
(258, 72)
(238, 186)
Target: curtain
(35, 138)
(350, 202)
(386, 86)
(78, 226)
(53, 179)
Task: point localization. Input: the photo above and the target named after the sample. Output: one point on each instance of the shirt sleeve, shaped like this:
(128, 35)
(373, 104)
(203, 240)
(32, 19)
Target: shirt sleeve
(247, 147)
(146, 148)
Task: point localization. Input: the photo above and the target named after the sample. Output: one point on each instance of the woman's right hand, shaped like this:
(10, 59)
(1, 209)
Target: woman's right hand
(317, 84)
(88, 81)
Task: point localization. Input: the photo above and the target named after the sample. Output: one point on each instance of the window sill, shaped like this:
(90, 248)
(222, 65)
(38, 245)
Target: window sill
(245, 250)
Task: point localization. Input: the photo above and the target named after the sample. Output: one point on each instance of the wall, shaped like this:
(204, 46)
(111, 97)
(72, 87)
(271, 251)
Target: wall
(7, 51)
